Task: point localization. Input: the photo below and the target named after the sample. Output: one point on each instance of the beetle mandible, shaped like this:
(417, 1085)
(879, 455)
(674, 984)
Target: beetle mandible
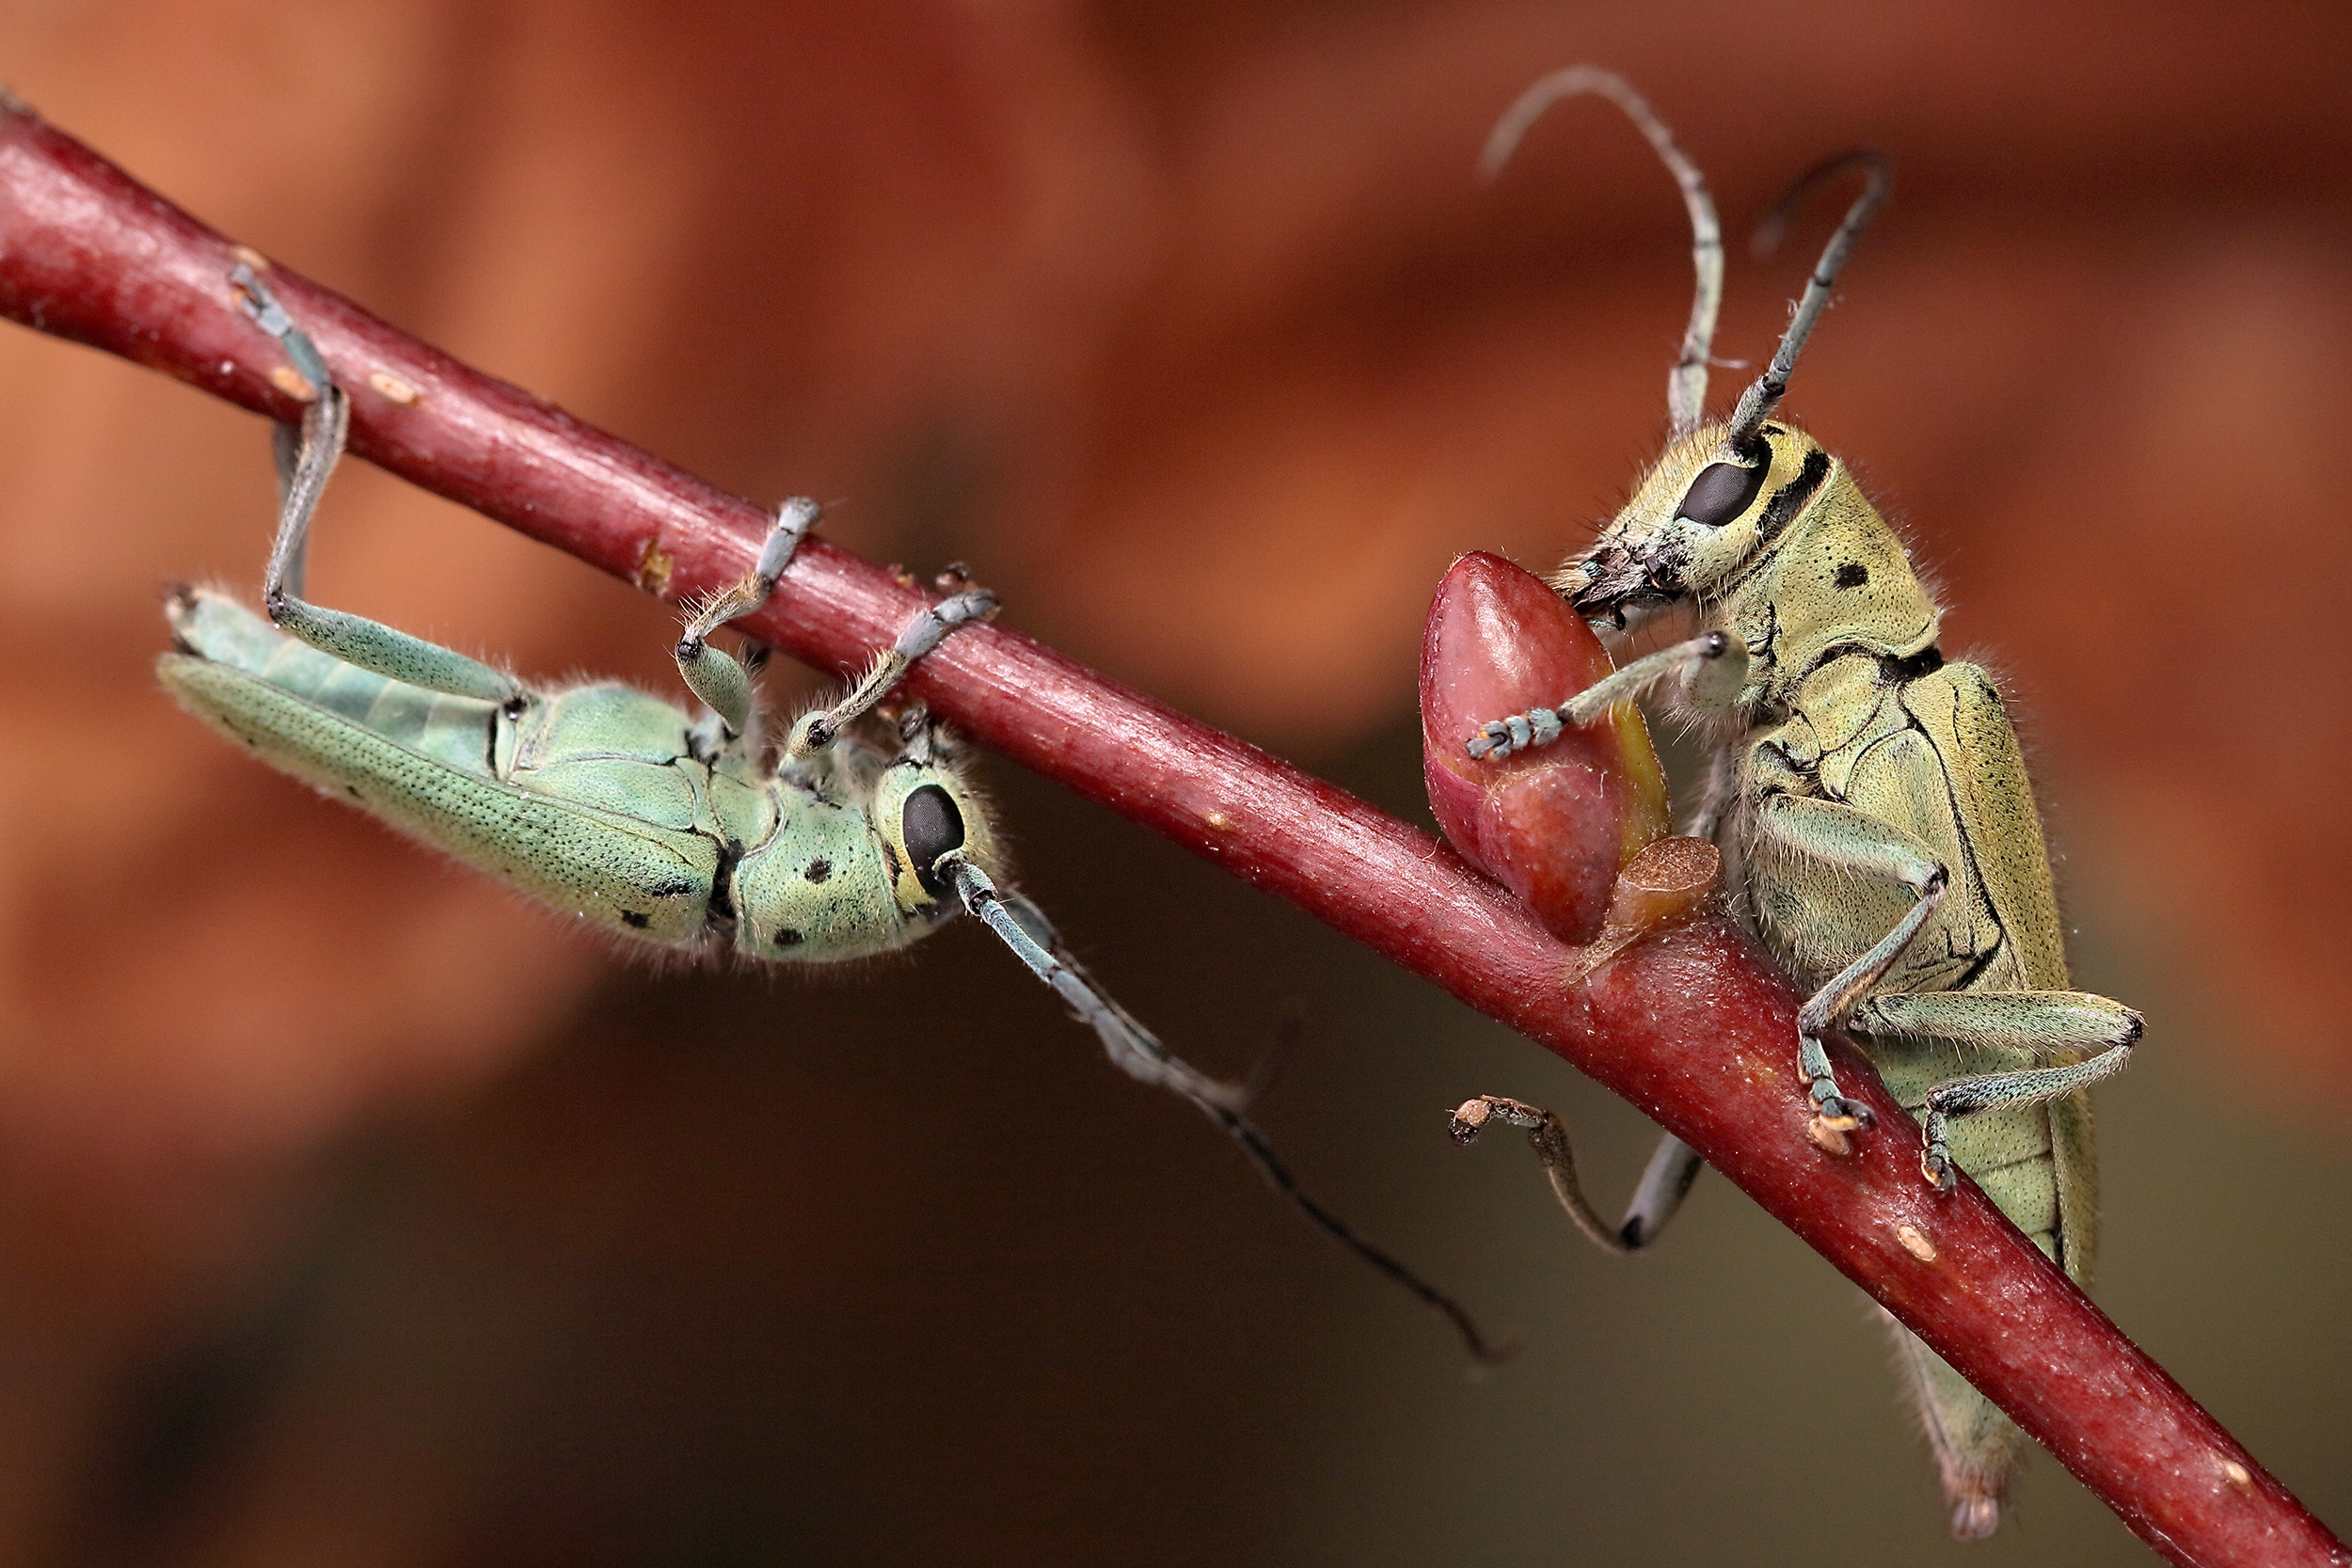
(1868, 796)
(620, 809)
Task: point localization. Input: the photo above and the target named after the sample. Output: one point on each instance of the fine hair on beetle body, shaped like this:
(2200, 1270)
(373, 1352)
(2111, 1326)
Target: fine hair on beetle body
(848, 834)
(1868, 795)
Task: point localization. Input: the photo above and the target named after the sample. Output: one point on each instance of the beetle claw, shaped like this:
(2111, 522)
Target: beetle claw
(1843, 1115)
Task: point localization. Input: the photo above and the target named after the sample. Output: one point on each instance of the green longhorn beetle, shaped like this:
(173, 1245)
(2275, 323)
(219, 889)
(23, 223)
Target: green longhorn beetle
(617, 807)
(1868, 796)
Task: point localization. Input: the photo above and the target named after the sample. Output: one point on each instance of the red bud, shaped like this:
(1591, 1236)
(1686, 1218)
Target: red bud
(1556, 823)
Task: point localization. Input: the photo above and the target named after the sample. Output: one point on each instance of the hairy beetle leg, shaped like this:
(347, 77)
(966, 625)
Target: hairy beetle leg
(2049, 1024)
(305, 458)
(1839, 835)
(1711, 667)
(925, 631)
(723, 684)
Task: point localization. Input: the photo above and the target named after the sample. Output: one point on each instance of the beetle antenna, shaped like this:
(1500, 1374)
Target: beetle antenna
(1136, 1050)
(1878, 179)
(1686, 384)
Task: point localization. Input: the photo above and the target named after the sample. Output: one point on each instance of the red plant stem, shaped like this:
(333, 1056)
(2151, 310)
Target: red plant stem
(1693, 1025)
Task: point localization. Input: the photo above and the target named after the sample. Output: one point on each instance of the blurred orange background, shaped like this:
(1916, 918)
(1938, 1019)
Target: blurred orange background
(350, 1212)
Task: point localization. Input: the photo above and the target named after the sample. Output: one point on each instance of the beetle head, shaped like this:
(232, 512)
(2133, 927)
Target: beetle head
(926, 812)
(1715, 502)
(1704, 514)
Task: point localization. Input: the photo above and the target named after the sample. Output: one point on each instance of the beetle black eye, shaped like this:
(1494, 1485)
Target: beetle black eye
(1721, 493)
(931, 826)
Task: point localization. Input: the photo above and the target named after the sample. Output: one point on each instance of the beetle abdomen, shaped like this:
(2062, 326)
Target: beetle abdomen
(309, 715)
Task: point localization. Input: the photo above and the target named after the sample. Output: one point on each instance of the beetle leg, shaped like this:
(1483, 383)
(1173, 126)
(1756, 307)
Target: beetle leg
(1664, 1184)
(2039, 1022)
(1711, 667)
(305, 459)
(925, 631)
(1840, 837)
(723, 683)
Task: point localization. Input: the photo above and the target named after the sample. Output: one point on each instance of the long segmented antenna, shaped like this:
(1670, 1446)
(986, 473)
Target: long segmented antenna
(1686, 384)
(1136, 1050)
(1879, 178)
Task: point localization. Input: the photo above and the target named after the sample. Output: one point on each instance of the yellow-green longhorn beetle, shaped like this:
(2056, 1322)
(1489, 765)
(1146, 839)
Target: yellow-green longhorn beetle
(1868, 796)
(620, 809)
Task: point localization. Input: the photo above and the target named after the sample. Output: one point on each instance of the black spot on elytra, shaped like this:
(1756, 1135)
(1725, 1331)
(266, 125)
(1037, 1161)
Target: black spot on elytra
(819, 870)
(1853, 574)
(631, 918)
(788, 938)
(352, 790)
